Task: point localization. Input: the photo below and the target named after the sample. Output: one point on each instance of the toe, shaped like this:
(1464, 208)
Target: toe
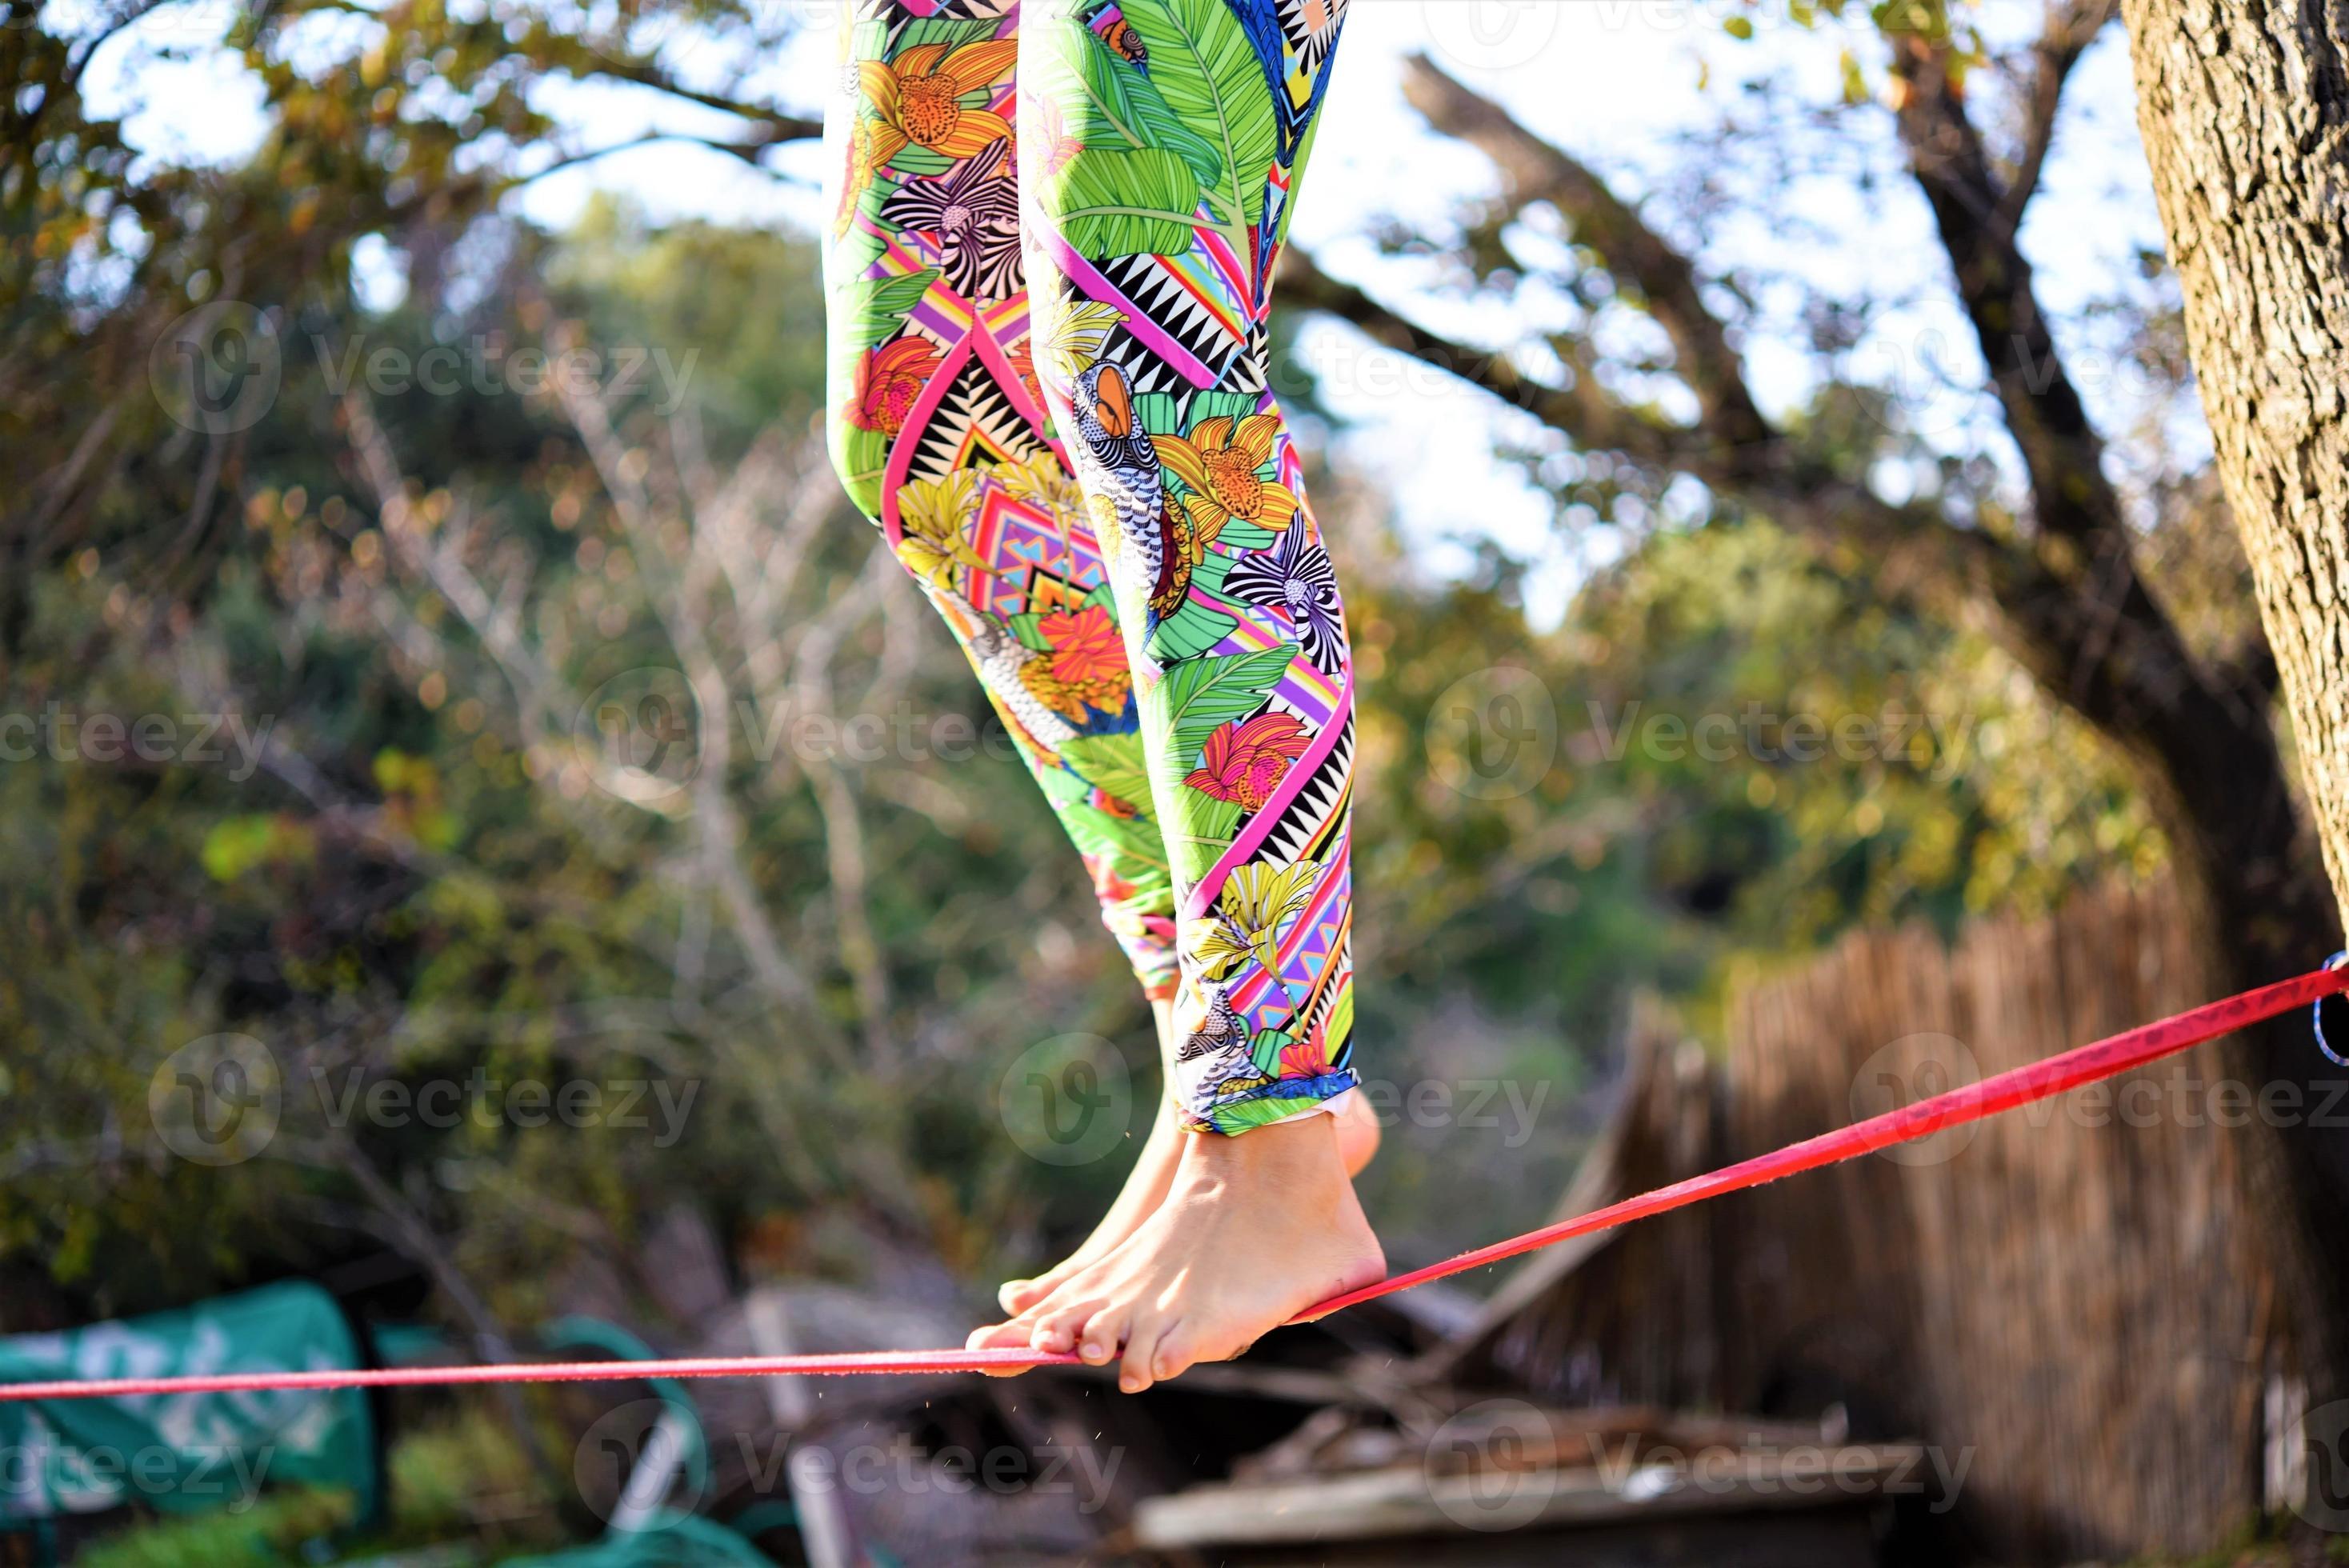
(1104, 1335)
(997, 1335)
(1142, 1348)
(1056, 1330)
(1176, 1352)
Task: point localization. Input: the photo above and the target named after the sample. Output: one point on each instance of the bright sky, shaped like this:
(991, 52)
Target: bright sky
(1614, 81)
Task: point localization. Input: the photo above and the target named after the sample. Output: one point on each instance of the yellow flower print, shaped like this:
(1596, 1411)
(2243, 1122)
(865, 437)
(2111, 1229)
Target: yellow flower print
(870, 144)
(1079, 330)
(1250, 912)
(930, 516)
(1043, 483)
(1102, 513)
(1187, 536)
(1219, 465)
(937, 98)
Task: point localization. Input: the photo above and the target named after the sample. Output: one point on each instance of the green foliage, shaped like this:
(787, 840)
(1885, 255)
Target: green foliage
(450, 1477)
(1874, 766)
(1114, 203)
(1202, 61)
(283, 1527)
(871, 311)
(1102, 100)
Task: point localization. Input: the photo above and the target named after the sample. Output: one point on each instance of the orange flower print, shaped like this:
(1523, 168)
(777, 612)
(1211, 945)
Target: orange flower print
(1218, 466)
(888, 379)
(938, 97)
(1108, 886)
(1307, 1057)
(1085, 646)
(1244, 762)
(1023, 356)
(1086, 667)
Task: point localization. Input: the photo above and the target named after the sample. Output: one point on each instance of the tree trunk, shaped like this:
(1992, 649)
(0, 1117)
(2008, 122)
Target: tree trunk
(2245, 105)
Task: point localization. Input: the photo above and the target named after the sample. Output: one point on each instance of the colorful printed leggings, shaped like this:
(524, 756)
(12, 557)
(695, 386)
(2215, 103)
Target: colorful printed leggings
(1049, 389)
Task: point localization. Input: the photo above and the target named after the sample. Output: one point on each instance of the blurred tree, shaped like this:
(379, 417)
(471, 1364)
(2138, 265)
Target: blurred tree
(124, 276)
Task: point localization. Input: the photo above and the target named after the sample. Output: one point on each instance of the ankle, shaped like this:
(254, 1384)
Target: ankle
(1302, 1152)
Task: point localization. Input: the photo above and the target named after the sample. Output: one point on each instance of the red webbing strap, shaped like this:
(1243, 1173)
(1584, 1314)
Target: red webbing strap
(2021, 1086)
(2002, 1091)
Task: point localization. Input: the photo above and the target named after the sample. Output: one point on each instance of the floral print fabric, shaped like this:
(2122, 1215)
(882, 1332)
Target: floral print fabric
(1049, 266)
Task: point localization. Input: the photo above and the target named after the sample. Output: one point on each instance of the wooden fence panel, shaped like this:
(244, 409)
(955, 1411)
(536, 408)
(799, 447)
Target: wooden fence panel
(2061, 1299)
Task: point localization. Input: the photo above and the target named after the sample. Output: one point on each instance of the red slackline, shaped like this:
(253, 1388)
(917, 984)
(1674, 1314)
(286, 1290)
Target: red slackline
(2021, 1086)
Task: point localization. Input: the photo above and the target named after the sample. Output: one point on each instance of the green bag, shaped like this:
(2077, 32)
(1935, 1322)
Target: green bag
(186, 1453)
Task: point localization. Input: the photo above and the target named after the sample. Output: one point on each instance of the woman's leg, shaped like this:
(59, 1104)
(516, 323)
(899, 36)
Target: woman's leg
(939, 431)
(1161, 141)
(939, 434)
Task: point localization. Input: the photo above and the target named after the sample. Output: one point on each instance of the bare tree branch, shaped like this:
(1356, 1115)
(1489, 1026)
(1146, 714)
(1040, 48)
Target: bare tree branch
(2072, 26)
(1664, 280)
(1582, 409)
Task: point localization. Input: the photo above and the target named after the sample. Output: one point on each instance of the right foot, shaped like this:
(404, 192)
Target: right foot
(1154, 1176)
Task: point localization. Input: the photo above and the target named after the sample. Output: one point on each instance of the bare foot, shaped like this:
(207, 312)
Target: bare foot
(1146, 1187)
(1253, 1229)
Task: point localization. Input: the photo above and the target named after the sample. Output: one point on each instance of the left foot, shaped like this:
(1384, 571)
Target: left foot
(1147, 1186)
(1255, 1229)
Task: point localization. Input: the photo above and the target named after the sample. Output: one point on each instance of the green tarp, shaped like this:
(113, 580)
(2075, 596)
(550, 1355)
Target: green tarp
(188, 1452)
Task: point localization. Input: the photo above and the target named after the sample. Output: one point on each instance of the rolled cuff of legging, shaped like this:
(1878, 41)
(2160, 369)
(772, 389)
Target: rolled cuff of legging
(1281, 1100)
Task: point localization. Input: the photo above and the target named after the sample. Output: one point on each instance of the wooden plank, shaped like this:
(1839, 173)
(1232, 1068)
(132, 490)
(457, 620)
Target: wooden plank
(1404, 1499)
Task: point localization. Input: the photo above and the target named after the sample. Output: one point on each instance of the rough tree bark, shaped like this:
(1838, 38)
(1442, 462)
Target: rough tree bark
(2244, 106)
